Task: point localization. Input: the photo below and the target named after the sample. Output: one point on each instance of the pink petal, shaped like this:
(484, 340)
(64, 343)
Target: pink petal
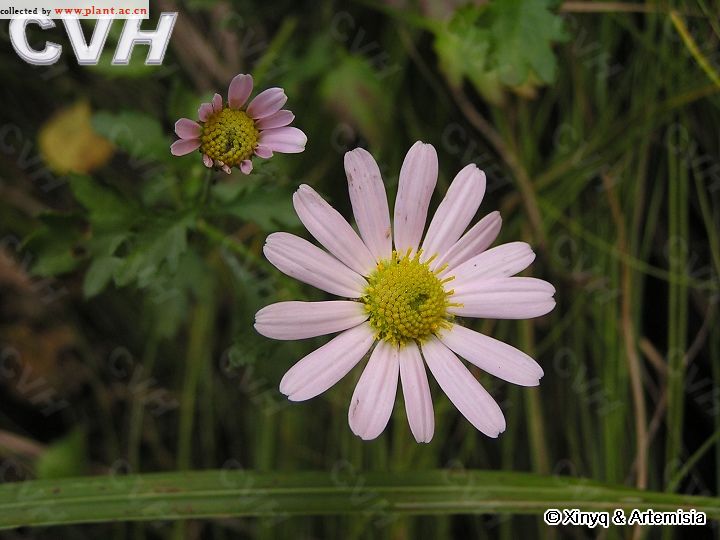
(266, 103)
(204, 112)
(332, 231)
(184, 146)
(187, 129)
(207, 161)
(418, 177)
(416, 392)
(263, 152)
(374, 396)
(217, 103)
(501, 261)
(369, 202)
(475, 241)
(455, 212)
(325, 366)
(466, 393)
(503, 298)
(286, 140)
(493, 356)
(226, 169)
(306, 262)
(300, 320)
(240, 88)
(276, 120)
(246, 166)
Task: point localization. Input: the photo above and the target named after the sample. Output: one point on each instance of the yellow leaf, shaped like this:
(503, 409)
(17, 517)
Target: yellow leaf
(68, 142)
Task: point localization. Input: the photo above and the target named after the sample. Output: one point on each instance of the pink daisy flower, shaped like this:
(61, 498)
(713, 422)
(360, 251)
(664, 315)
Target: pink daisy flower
(403, 295)
(229, 135)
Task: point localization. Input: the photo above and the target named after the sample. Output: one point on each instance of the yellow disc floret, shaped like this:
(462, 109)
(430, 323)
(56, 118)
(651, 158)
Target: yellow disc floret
(406, 300)
(229, 136)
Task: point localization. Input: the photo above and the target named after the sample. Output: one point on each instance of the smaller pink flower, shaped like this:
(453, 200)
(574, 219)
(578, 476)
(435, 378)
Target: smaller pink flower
(229, 135)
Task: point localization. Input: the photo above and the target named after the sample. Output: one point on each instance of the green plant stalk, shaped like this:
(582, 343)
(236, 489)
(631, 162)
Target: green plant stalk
(677, 311)
(692, 461)
(276, 46)
(533, 409)
(223, 240)
(641, 266)
(693, 48)
(197, 358)
(715, 355)
(235, 493)
(137, 412)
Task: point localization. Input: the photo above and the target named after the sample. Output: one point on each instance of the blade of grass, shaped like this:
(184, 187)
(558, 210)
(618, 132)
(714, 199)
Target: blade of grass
(677, 308)
(692, 461)
(629, 337)
(226, 493)
(687, 38)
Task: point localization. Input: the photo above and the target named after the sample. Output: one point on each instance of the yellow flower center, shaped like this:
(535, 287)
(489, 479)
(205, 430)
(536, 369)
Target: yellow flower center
(229, 136)
(406, 300)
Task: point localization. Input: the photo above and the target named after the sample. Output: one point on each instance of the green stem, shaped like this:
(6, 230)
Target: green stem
(277, 45)
(692, 460)
(692, 46)
(138, 408)
(229, 493)
(223, 240)
(677, 310)
(198, 356)
(533, 408)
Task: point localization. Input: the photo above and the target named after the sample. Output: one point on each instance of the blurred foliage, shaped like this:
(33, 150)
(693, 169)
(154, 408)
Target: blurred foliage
(130, 278)
(65, 458)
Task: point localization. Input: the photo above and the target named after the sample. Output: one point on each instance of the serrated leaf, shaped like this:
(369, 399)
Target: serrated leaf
(161, 242)
(99, 274)
(463, 46)
(500, 45)
(524, 31)
(464, 51)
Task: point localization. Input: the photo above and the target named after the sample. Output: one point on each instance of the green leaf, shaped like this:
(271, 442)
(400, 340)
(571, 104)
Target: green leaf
(523, 32)
(99, 274)
(159, 245)
(64, 458)
(228, 493)
(107, 209)
(269, 208)
(53, 246)
(463, 46)
(170, 293)
(501, 44)
(138, 134)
